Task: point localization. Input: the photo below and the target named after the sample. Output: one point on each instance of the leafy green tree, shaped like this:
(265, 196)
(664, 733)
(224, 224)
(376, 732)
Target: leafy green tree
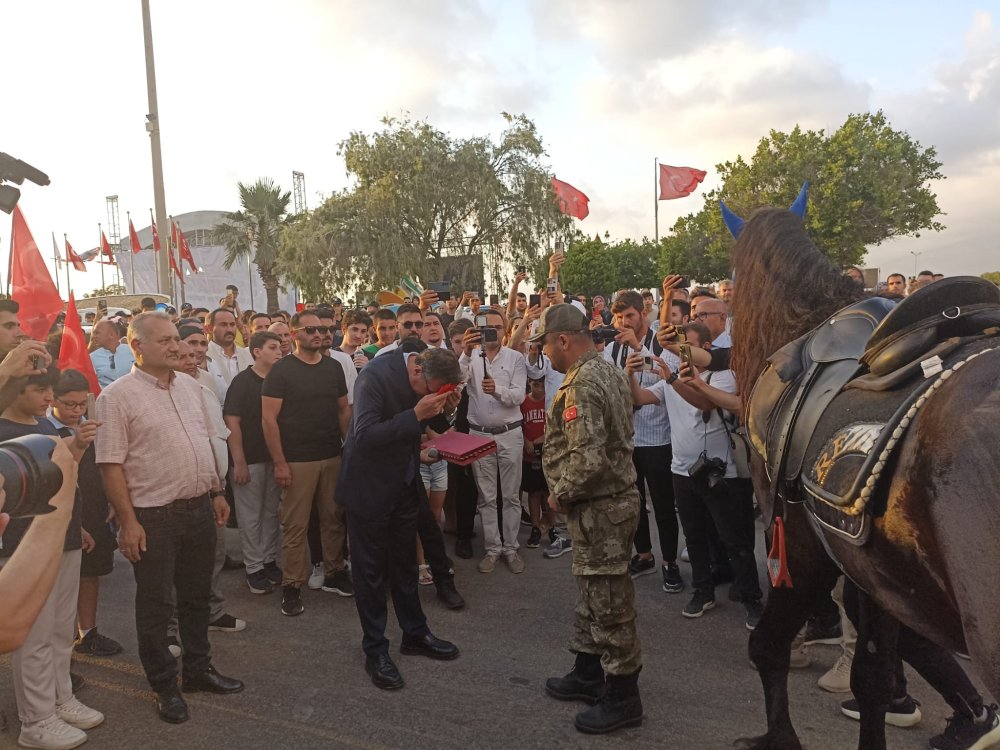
(255, 232)
(111, 290)
(869, 183)
(596, 267)
(420, 196)
(993, 276)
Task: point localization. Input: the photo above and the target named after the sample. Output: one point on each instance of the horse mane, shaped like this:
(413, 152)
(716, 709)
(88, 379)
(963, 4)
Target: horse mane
(785, 287)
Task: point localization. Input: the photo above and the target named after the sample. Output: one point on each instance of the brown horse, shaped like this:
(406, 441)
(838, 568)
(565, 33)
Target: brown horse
(932, 558)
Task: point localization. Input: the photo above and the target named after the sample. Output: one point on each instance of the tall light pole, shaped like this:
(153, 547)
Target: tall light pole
(915, 256)
(163, 280)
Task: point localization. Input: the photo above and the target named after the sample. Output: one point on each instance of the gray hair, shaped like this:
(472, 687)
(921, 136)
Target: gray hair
(138, 328)
(440, 364)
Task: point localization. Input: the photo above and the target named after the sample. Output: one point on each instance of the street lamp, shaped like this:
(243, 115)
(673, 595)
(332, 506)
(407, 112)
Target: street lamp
(915, 256)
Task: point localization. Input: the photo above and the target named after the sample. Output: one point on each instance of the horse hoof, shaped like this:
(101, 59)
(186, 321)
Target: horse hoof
(769, 742)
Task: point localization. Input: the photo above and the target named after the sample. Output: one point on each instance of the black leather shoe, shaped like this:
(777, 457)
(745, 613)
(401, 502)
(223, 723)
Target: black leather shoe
(463, 549)
(171, 706)
(383, 672)
(448, 594)
(210, 681)
(428, 645)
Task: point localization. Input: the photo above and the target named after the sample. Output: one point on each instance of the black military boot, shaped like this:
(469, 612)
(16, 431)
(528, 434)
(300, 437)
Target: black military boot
(619, 707)
(584, 683)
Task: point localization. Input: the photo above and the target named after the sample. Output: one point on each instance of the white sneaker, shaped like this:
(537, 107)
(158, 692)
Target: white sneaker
(78, 715)
(51, 734)
(317, 577)
(838, 677)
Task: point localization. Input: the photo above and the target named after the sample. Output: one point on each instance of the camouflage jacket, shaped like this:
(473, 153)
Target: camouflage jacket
(588, 434)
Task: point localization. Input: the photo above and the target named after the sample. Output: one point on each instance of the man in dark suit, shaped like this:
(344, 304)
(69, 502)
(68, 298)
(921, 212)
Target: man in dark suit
(395, 398)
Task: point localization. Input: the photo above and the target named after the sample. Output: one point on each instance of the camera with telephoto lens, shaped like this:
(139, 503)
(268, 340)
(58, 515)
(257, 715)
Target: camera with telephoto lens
(30, 478)
(604, 334)
(712, 469)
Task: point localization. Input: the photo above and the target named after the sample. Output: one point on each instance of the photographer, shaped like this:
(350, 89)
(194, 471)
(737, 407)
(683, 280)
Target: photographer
(27, 575)
(702, 467)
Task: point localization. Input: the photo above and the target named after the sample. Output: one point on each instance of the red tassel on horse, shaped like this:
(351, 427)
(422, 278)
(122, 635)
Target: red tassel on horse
(777, 559)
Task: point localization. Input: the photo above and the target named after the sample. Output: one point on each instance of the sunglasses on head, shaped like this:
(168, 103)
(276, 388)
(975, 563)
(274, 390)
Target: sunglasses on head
(310, 330)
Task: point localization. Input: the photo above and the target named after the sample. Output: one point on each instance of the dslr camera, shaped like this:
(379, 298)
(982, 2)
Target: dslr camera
(604, 334)
(712, 469)
(30, 478)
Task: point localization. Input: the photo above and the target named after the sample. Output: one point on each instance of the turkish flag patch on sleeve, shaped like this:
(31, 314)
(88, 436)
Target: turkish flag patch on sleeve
(570, 414)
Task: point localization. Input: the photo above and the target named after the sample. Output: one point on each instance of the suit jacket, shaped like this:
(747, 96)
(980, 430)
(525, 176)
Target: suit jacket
(381, 455)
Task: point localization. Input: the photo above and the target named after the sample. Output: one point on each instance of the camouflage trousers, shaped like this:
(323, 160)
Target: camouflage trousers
(604, 617)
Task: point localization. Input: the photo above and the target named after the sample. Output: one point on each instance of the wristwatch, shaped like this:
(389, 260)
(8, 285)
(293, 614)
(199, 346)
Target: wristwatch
(673, 377)
(217, 493)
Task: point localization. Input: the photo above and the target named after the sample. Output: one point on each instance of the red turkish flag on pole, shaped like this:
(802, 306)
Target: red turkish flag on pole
(32, 286)
(572, 202)
(156, 235)
(106, 250)
(184, 250)
(73, 349)
(170, 250)
(133, 238)
(73, 258)
(678, 182)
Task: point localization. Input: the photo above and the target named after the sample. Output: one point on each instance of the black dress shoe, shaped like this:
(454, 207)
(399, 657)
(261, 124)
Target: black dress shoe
(171, 706)
(448, 594)
(383, 672)
(463, 549)
(428, 645)
(210, 681)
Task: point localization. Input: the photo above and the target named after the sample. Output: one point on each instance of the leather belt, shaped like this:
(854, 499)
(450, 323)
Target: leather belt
(190, 502)
(496, 430)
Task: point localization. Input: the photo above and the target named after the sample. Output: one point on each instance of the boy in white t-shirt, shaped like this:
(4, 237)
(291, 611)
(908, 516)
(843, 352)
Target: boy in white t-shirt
(702, 462)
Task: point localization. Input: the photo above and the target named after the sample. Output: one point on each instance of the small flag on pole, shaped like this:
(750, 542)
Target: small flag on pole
(678, 182)
(133, 238)
(73, 349)
(72, 257)
(31, 284)
(156, 235)
(572, 202)
(184, 250)
(106, 250)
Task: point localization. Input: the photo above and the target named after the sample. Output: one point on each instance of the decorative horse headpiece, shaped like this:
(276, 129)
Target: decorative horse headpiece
(735, 223)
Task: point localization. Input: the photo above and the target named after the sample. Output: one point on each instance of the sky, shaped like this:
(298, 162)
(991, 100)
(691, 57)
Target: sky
(261, 88)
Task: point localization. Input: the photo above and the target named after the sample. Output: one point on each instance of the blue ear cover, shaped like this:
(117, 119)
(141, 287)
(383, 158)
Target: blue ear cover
(732, 221)
(799, 206)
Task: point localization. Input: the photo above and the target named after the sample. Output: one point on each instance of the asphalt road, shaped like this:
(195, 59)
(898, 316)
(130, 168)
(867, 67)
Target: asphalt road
(306, 685)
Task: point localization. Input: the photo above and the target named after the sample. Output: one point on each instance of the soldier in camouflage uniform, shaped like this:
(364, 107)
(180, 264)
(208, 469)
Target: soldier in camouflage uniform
(588, 465)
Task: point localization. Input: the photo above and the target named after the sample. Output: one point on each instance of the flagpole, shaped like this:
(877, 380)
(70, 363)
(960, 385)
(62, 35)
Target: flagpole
(100, 254)
(132, 253)
(164, 282)
(55, 260)
(68, 264)
(656, 200)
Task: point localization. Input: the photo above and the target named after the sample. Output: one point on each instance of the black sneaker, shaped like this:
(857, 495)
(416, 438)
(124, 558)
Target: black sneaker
(641, 567)
(96, 644)
(672, 581)
(339, 583)
(463, 549)
(535, 538)
(754, 611)
(966, 733)
(902, 712)
(273, 572)
(818, 632)
(291, 601)
(259, 583)
(226, 623)
(700, 603)
(553, 536)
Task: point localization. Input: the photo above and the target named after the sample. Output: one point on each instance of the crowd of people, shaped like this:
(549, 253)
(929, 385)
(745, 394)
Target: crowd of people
(272, 423)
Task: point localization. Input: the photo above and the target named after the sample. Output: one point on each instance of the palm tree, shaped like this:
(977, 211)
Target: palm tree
(255, 232)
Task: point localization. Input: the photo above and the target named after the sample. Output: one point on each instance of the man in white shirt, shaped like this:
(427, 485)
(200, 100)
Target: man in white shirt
(231, 359)
(208, 374)
(496, 379)
(703, 469)
(714, 313)
(111, 359)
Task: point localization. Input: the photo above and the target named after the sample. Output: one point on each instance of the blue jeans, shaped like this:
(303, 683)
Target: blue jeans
(180, 552)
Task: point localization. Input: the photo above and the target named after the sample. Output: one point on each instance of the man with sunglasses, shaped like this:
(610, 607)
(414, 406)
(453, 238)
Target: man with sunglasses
(111, 359)
(409, 323)
(305, 413)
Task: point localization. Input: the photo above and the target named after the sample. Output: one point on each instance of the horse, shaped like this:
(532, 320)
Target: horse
(931, 558)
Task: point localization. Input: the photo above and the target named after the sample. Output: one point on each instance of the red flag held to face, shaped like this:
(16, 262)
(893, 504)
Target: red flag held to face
(73, 349)
(32, 286)
(72, 257)
(156, 235)
(133, 238)
(678, 182)
(572, 202)
(106, 250)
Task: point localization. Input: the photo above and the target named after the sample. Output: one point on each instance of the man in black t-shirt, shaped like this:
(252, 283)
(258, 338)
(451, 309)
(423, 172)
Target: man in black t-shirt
(305, 414)
(255, 492)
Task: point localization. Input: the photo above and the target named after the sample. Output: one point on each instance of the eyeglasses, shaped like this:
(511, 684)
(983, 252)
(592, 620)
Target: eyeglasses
(418, 324)
(704, 315)
(310, 330)
(72, 404)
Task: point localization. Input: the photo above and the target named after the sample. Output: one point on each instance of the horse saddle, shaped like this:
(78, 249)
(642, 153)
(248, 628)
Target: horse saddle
(875, 348)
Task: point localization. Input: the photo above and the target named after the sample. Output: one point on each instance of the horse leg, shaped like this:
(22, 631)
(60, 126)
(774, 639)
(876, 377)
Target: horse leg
(873, 673)
(770, 646)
